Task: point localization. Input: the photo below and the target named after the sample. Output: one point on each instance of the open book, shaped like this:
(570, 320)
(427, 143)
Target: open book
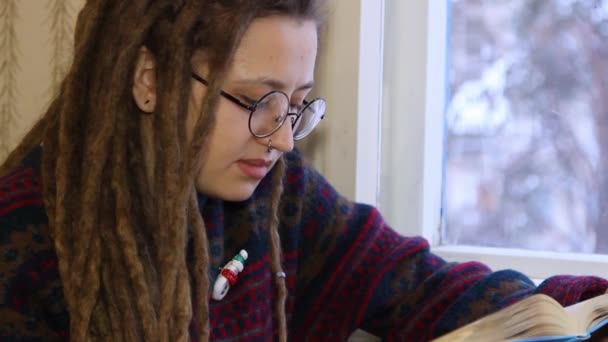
(536, 318)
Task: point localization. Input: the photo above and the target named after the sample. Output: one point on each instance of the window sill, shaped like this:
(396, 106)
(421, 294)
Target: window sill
(535, 264)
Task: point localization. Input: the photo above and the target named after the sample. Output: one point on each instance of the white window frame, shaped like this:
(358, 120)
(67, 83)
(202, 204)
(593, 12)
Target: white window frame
(422, 69)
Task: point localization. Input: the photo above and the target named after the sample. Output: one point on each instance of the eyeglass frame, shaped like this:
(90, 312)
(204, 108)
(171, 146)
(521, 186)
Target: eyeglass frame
(252, 108)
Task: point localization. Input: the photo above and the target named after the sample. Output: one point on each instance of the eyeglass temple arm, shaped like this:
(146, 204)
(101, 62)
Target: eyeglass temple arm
(223, 93)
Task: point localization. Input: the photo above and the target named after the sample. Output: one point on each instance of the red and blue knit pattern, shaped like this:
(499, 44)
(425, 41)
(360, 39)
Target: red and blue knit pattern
(346, 269)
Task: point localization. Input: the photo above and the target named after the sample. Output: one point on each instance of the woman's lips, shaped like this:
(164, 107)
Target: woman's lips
(254, 168)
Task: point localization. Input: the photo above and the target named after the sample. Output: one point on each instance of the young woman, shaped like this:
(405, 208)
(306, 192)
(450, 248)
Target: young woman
(160, 198)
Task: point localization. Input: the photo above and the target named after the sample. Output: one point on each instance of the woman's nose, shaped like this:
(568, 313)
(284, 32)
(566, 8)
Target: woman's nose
(282, 139)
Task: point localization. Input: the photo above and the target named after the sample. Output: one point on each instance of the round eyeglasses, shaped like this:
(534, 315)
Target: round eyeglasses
(268, 114)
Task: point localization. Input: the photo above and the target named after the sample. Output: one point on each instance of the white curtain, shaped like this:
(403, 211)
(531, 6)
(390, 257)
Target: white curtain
(35, 49)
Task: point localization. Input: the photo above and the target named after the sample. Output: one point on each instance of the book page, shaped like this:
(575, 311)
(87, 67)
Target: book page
(590, 313)
(535, 316)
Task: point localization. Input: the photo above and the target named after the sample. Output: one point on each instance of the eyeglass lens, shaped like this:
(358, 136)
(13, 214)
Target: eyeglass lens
(271, 112)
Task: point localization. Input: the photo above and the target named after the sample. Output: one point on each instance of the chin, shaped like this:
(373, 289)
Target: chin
(231, 194)
(236, 197)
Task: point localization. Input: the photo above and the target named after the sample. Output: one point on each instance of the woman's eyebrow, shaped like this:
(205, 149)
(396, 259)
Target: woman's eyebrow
(272, 83)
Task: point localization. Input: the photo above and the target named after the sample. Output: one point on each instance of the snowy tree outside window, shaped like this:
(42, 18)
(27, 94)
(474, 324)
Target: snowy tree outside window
(527, 125)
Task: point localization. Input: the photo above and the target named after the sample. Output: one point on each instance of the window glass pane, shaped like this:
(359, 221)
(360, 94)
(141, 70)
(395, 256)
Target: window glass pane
(527, 125)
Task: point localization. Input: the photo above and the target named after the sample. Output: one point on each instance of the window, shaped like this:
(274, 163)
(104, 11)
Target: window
(486, 131)
(527, 117)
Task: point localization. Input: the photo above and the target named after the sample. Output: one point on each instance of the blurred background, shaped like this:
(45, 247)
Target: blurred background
(527, 125)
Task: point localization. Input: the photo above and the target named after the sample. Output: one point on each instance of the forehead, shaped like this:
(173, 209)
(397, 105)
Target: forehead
(277, 47)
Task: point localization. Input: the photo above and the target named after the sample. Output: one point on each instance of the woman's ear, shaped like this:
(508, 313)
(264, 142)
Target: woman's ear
(144, 81)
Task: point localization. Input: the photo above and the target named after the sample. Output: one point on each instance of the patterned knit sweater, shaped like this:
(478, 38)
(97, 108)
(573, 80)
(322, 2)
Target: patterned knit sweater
(346, 269)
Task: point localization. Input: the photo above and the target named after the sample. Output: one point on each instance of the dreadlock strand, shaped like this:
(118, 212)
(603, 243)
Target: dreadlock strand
(118, 288)
(169, 164)
(124, 292)
(125, 233)
(97, 149)
(201, 262)
(92, 277)
(143, 201)
(100, 327)
(79, 327)
(172, 208)
(168, 156)
(65, 160)
(276, 251)
(98, 145)
(154, 10)
(88, 294)
(47, 166)
(62, 233)
(110, 307)
(183, 307)
(87, 25)
(82, 318)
